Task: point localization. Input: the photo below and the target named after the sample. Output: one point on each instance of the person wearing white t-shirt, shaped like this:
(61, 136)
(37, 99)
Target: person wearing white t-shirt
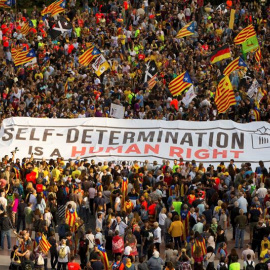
(161, 219)
(157, 235)
(117, 204)
(63, 255)
(249, 262)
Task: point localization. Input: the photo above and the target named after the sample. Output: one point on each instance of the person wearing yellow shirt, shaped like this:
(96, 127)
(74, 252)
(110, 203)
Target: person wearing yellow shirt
(56, 173)
(39, 75)
(76, 172)
(122, 39)
(265, 242)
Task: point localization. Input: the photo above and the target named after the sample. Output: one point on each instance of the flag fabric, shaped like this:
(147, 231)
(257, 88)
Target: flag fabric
(27, 26)
(237, 63)
(180, 83)
(24, 56)
(71, 216)
(190, 94)
(86, 58)
(54, 8)
(104, 257)
(245, 34)
(66, 87)
(100, 65)
(250, 45)
(124, 189)
(256, 114)
(259, 96)
(62, 26)
(5, 4)
(150, 69)
(224, 95)
(232, 17)
(152, 82)
(258, 55)
(44, 244)
(220, 54)
(187, 30)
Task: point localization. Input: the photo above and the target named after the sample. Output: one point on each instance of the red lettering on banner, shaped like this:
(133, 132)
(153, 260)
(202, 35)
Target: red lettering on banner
(154, 149)
(76, 152)
(119, 149)
(236, 153)
(202, 154)
(216, 153)
(178, 151)
(188, 153)
(92, 150)
(134, 149)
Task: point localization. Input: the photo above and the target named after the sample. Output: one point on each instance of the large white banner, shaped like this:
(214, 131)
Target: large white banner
(117, 140)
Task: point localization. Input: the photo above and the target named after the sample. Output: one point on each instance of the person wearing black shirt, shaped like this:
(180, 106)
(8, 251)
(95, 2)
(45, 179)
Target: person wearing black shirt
(83, 249)
(21, 215)
(5, 230)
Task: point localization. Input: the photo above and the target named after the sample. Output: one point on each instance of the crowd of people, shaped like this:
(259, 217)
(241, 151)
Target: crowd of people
(150, 216)
(129, 35)
(173, 216)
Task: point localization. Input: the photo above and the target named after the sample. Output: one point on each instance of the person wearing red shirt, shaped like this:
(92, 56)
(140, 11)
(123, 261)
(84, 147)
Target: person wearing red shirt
(152, 209)
(72, 265)
(144, 202)
(168, 178)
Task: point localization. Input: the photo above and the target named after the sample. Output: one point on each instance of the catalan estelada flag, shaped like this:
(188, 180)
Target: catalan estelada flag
(237, 63)
(224, 97)
(103, 256)
(220, 54)
(187, 30)
(124, 189)
(66, 87)
(44, 244)
(54, 8)
(245, 34)
(257, 114)
(86, 58)
(71, 216)
(27, 27)
(152, 82)
(5, 4)
(180, 83)
(258, 55)
(23, 56)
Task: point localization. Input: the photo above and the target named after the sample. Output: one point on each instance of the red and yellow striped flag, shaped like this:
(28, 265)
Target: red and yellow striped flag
(245, 34)
(66, 87)
(152, 82)
(180, 83)
(224, 95)
(71, 217)
(237, 63)
(44, 244)
(187, 30)
(86, 58)
(258, 55)
(54, 8)
(124, 189)
(104, 257)
(27, 26)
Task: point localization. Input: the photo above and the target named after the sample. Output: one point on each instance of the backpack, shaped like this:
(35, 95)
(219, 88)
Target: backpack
(144, 214)
(249, 266)
(62, 230)
(40, 260)
(223, 267)
(62, 252)
(28, 266)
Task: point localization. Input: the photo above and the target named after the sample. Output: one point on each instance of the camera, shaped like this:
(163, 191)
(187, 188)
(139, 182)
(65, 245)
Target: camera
(15, 151)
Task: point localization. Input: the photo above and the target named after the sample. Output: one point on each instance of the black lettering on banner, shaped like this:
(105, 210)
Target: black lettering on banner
(38, 151)
(85, 136)
(240, 141)
(32, 135)
(128, 135)
(150, 136)
(100, 136)
(173, 137)
(19, 132)
(47, 133)
(112, 137)
(55, 152)
(8, 133)
(200, 138)
(211, 136)
(222, 142)
(72, 135)
(187, 138)
(160, 133)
